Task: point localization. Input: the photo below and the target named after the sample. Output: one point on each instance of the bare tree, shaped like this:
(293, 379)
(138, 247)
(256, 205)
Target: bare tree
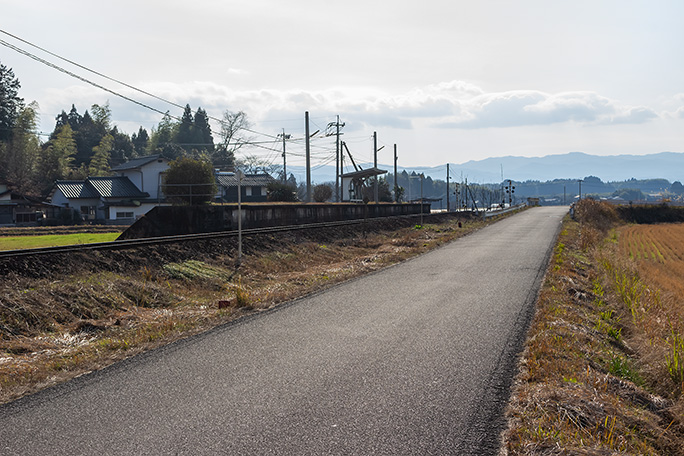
(251, 164)
(232, 138)
(233, 128)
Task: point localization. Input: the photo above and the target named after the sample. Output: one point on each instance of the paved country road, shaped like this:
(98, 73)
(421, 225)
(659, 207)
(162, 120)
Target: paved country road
(415, 359)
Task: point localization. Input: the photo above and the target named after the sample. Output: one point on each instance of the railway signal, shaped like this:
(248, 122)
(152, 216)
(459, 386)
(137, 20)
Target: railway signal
(510, 189)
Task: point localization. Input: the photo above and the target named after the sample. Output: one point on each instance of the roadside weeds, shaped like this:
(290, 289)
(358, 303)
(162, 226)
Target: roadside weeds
(594, 377)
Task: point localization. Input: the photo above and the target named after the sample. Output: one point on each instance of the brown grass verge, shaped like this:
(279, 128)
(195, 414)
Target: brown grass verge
(64, 316)
(593, 376)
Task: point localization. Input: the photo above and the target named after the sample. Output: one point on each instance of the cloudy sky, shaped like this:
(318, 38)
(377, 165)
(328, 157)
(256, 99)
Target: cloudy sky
(445, 80)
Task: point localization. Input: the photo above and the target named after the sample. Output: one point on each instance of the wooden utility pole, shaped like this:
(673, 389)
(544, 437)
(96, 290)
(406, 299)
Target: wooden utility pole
(447, 190)
(375, 165)
(284, 162)
(396, 187)
(308, 157)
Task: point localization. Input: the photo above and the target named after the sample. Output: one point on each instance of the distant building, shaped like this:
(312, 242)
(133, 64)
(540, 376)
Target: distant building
(112, 199)
(18, 210)
(116, 199)
(146, 173)
(254, 187)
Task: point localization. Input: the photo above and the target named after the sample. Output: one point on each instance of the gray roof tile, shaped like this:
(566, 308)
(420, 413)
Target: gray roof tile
(101, 187)
(137, 162)
(76, 189)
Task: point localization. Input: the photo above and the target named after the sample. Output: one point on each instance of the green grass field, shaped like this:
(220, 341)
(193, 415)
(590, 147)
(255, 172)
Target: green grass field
(52, 240)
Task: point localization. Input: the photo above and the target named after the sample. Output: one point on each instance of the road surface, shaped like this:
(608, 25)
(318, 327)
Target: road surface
(415, 359)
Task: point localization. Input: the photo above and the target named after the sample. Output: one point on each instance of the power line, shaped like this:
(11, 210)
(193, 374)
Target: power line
(273, 153)
(45, 62)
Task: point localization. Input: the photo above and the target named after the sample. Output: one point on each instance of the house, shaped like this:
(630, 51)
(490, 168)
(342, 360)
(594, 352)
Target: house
(17, 209)
(146, 173)
(116, 199)
(111, 199)
(254, 187)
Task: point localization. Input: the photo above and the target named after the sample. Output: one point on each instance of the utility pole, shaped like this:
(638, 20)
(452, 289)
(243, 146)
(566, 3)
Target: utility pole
(447, 189)
(375, 165)
(308, 157)
(396, 187)
(580, 188)
(338, 153)
(421, 198)
(284, 136)
(239, 176)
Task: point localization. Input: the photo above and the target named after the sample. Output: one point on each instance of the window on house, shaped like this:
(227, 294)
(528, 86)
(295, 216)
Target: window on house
(248, 191)
(121, 215)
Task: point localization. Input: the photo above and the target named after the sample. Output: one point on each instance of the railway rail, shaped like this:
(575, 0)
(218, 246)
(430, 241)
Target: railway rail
(133, 243)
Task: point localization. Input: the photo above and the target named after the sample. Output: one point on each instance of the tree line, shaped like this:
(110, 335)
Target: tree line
(89, 144)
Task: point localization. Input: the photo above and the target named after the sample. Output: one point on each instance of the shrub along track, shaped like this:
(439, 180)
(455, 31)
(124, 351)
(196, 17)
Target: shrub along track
(65, 314)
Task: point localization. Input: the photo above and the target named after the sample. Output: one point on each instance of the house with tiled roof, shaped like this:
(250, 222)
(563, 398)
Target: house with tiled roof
(22, 210)
(115, 199)
(112, 199)
(253, 187)
(146, 173)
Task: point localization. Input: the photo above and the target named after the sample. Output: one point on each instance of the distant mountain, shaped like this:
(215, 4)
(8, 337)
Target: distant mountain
(573, 165)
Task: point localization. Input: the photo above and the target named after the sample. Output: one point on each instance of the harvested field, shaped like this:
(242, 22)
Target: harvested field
(603, 367)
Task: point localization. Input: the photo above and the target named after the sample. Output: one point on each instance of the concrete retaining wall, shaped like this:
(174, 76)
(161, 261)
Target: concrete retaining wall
(175, 220)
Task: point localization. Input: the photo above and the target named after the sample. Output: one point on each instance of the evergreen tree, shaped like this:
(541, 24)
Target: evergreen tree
(99, 164)
(186, 137)
(203, 130)
(10, 102)
(60, 121)
(74, 118)
(122, 149)
(140, 142)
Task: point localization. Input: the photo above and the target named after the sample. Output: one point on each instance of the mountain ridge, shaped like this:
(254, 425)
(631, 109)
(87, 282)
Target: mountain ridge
(572, 165)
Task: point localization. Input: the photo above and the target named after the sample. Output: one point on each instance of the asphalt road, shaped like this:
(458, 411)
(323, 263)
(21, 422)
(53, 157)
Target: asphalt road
(414, 359)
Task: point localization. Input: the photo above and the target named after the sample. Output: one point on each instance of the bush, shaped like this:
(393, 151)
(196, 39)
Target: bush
(598, 215)
(190, 181)
(322, 193)
(277, 191)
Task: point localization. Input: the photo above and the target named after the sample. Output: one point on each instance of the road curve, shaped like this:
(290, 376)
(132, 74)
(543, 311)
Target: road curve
(415, 359)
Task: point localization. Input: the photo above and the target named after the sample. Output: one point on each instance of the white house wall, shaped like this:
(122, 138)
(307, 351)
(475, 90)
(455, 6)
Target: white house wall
(147, 178)
(138, 211)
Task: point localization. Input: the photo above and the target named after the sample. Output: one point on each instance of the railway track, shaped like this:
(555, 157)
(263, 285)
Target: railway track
(134, 243)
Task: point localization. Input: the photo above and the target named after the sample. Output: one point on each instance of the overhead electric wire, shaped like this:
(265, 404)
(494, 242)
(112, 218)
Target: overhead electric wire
(80, 78)
(28, 54)
(273, 152)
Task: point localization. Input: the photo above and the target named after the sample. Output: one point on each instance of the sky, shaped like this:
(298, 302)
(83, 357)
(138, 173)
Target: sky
(444, 80)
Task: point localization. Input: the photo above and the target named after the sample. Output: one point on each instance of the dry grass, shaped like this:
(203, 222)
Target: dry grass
(593, 377)
(57, 324)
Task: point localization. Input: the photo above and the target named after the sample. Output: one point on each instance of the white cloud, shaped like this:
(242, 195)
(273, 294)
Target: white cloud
(447, 105)
(528, 108)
